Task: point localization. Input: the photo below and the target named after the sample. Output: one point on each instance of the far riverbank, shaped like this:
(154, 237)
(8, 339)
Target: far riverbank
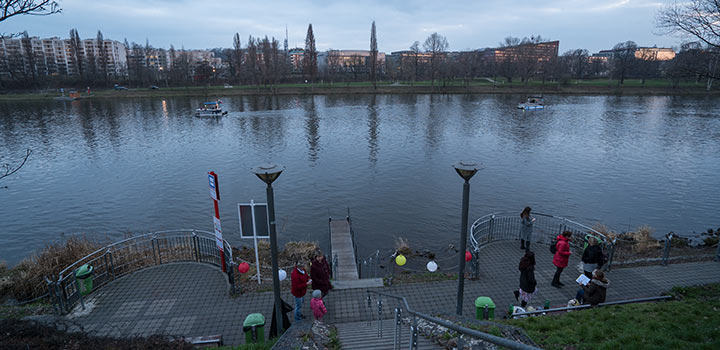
(384, 88)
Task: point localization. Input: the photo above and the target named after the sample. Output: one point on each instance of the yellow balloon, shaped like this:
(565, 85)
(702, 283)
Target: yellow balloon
(400, 260)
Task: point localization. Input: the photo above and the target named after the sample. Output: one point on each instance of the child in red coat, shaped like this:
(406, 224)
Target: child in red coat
(317, 305)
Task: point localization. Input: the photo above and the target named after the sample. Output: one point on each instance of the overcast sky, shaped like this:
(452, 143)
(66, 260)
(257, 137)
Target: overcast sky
(469, 24)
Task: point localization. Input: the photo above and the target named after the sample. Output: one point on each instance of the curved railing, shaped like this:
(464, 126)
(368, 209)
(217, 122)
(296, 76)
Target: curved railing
(506, 226)
(135, 253)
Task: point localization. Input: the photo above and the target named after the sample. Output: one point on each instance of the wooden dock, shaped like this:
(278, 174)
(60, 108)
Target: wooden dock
(342, 247)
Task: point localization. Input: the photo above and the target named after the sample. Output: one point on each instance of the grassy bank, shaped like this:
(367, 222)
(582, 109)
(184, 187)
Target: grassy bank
(478, 86)
(688, 322)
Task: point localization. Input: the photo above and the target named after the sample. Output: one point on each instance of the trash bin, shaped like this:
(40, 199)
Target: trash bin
(481, 304)
(84, 278)
(254, 328)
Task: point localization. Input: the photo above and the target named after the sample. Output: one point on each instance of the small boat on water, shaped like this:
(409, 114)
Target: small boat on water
(210, 109)
(533, 102)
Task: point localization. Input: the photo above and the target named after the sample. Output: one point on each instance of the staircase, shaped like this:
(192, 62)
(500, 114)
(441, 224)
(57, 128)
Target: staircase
(359, 335)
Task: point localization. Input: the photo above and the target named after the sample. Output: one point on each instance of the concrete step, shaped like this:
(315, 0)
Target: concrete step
(360, 335)
(362, 283)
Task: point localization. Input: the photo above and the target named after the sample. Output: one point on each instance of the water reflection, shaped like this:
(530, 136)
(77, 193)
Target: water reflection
(312, 126)
(373, 124)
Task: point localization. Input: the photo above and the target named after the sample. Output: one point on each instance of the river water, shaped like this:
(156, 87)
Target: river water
(107, 167)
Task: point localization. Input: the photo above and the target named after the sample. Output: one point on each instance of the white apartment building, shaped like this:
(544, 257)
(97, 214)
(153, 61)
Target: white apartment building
(53, 56)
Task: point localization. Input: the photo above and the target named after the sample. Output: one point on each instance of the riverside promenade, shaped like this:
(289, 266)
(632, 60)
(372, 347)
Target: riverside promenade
(192, 299)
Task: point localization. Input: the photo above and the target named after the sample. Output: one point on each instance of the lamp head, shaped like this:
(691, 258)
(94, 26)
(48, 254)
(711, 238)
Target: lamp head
(268, 172)
(466, 169)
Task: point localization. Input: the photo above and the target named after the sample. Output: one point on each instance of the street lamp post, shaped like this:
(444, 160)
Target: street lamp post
(269, 173)
(466, 170)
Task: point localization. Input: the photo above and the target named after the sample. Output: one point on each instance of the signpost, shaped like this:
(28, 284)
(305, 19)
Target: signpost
(254, 224)
(215, 195)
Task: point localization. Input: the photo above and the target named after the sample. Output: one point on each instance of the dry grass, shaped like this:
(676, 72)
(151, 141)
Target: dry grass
(610, 234)
(25, 281)
(402, 246)
(643, 240)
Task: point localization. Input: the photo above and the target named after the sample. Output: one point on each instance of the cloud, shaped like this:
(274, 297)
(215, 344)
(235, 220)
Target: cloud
(346, 24)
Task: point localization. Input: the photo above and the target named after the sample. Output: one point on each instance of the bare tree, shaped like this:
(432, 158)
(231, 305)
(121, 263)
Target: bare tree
(76, 51)
(103, 55)
(436, 45)
(373, 55)
(310, 55)
(699, 19)
(237, 57)
(9, 8)
(251, 66)
(332, 64)
(415, 49)
(623, 60)
(578, 61)
(29, 66)
(8, 169)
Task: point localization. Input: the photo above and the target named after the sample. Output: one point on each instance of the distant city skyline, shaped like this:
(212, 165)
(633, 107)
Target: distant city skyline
(592, 25)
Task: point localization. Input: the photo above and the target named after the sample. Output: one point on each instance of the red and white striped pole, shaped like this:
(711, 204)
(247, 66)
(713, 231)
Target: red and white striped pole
(215, 195)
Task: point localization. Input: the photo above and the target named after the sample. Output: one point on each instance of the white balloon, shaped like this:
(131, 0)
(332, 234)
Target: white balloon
(432, 266)
(282, 274)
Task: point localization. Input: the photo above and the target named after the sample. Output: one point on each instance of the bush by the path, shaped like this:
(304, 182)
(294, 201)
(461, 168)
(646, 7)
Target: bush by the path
(688, 322)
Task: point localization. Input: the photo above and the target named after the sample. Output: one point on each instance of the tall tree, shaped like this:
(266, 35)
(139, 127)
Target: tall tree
(9, 8)
(251, 67)
(623, 60)
(578, 61)
(435, 45)
(29, 66)
(699, 19)
(237, 57)
(103, 56)
(415, 49)
(373, 55)
(310, 55)
(76, 51)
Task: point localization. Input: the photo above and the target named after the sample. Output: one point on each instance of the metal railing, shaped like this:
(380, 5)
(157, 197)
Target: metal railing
(354, 242)
(135, 253)
(403, 307)
(368, 267)
(587, 306)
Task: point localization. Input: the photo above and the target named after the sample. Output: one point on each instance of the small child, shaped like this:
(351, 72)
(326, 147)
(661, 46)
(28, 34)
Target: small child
(317, 305)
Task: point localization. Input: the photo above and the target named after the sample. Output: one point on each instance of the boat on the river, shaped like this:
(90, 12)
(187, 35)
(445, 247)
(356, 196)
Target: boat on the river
(533, 102)
(210, 109)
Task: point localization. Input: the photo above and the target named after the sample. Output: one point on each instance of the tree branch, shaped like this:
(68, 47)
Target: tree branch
(12, 8)
(10, 170)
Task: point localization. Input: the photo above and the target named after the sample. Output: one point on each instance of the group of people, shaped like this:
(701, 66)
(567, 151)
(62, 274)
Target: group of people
(592, 292)
(318, 279)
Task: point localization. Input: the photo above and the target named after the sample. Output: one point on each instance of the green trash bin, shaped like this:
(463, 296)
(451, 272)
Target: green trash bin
(254, 328)
(481, 304)
(84, 279)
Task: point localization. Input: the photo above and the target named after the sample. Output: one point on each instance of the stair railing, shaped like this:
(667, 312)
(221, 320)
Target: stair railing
(403, 307)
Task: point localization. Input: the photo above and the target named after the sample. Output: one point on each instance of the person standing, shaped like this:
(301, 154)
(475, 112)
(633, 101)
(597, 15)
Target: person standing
(592, 257)
(526, 229)
(317, 305)
(528, 285)
(320, 273)
(299, 281)
(562, 255)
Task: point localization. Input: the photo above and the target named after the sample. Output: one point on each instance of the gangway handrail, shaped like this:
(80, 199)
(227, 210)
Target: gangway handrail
(447, 324)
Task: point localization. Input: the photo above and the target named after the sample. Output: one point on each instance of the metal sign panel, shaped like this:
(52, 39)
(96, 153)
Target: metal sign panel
(254, 220)
(212, 181)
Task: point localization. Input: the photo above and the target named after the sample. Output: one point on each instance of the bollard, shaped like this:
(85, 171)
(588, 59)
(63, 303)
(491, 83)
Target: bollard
(547, 304)
(666, 252)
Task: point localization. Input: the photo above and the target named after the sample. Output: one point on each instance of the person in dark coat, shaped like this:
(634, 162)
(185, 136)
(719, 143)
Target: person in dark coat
(320, 274)
(562, 255)
(595, 291)
(593, 257)
(528, 285)
(526, 229)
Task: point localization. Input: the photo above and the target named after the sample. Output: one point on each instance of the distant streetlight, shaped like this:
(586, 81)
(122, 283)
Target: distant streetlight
(466, 170)
(268, 173)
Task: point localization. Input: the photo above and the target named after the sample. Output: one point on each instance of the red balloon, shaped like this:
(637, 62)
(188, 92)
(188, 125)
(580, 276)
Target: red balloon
(243, 267)
(468, 256)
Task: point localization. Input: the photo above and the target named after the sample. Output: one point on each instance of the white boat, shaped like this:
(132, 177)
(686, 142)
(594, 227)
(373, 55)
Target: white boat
(533, 102)
(210, 109)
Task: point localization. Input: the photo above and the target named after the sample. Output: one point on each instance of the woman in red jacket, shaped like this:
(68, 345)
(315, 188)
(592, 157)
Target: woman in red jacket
(562, 254)
(299, 281)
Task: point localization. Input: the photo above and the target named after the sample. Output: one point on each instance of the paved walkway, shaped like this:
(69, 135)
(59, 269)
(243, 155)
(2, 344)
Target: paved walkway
(191, 299)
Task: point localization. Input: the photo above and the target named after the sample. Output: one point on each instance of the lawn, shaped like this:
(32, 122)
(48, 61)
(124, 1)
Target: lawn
(691, 321)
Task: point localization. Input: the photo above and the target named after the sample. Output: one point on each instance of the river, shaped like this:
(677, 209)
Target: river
(108, 167)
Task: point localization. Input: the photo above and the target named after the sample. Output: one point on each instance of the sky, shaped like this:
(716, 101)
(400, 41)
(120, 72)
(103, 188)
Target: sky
(469, 24)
